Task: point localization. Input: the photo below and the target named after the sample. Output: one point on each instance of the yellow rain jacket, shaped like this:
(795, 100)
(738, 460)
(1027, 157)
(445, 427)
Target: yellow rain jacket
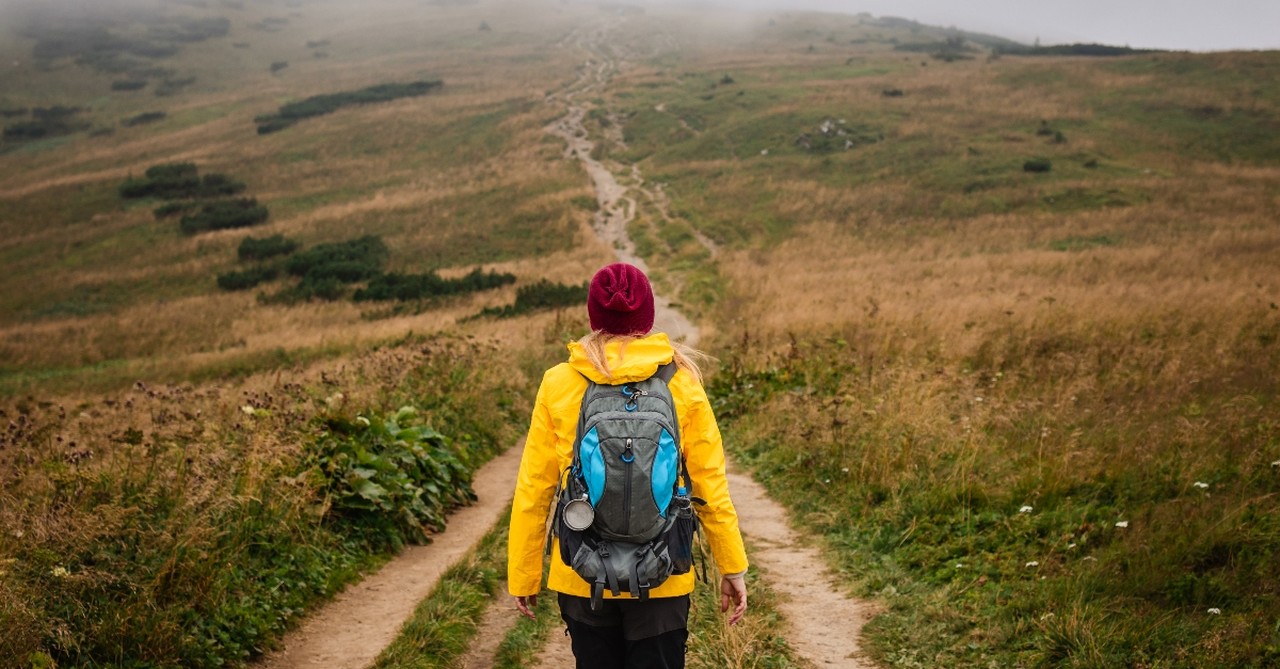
(548, 451)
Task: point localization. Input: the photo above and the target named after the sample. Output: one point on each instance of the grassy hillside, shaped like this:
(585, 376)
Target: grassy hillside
(1002, 330)
(101, 291)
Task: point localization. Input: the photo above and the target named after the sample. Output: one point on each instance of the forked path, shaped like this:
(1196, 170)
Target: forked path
(823, 626)
(350, 631)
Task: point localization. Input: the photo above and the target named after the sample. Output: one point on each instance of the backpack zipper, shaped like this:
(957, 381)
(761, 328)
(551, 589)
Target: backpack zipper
(628, 457)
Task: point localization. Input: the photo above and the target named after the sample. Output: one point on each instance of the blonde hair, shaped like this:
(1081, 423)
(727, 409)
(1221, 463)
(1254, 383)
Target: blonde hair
(595, 344)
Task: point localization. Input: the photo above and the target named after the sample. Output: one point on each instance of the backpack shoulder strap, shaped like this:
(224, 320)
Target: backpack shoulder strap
(666, 372)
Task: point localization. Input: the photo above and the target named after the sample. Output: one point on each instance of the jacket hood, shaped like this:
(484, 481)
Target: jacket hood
(629, 360)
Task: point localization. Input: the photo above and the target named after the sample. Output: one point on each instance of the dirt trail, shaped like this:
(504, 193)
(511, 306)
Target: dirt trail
(350, 631)
(617, 208)
(823, 626)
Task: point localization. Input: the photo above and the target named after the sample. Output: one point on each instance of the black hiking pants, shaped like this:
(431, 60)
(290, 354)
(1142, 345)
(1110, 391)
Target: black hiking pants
(627, 634)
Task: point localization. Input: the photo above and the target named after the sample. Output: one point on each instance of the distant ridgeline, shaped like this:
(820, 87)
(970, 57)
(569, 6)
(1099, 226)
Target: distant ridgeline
(319, 105)
(951, 44)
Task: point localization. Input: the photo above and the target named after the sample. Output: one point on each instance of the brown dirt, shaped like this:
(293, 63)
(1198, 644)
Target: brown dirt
(498, 619)
(350, 631)
(824, 625)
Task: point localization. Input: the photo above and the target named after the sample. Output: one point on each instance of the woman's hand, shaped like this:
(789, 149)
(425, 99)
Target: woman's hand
(526, 605)
(733, 591)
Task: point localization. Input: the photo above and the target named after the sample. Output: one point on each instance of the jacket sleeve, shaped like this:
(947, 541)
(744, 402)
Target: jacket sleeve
(531, 504)
(704, 456)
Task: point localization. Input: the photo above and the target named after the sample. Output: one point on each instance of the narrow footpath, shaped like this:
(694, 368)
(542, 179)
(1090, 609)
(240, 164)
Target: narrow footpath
(350, 631)
(823, 624)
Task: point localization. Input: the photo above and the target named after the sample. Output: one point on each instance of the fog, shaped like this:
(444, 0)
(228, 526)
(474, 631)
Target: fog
(1193, 25)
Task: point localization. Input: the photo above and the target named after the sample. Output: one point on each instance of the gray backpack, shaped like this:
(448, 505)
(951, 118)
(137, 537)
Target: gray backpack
(624, 515)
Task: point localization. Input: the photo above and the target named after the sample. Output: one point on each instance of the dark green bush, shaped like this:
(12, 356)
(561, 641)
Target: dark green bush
(224, 214)
(173, 181)
(46, 122)
(279, 65)
(1037, 165)
(541, 296)
(252, 248)
(248, 278)
(368, 251)
(320, 105)
(171, 209)
(146, 117)
(406, 287)
(128, 84)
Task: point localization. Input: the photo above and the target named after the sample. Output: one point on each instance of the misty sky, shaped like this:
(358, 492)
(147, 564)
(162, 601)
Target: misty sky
(1196, 25)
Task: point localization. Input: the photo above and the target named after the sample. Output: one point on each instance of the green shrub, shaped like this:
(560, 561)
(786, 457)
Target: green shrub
(406, 287)
(279, 65)
(369, 252)
(128, 84)
(46, 122)
(388, 477)
(541, 296)
(1037, 165)
(144, 118)
(252, 248)
(225, 214)
(248, 278)
(173, 181)
(320, 105)
(171, 209)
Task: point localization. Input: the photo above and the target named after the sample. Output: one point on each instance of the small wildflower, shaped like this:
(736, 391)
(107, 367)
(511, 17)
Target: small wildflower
(247, 409)
(845, 470)
(1033, 563)
(59, 572)
(826, 480)
(1201, 484)
(1070, 546)
(1122, 524)
(977, 399)
(362, 420)
(1276, 464)
(1025, 509)
(1215, 612)
(764, 152)
(959, 565)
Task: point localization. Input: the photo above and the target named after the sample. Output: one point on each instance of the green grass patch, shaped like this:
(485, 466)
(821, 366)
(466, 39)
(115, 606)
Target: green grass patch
(987, 540)
(320, 105)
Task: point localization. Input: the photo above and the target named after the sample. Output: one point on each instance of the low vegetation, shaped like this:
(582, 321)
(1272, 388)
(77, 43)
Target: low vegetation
(114, 541)
(224, 215)
(406, 287)
(173, 181)
(265, 248)
(47, 122)
(319, 105)
(540, 296)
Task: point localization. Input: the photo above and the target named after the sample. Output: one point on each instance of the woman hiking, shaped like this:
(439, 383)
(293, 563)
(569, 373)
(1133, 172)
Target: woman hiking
(620, 629)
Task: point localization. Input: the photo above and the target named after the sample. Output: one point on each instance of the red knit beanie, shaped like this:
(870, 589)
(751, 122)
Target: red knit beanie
(620, 300)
